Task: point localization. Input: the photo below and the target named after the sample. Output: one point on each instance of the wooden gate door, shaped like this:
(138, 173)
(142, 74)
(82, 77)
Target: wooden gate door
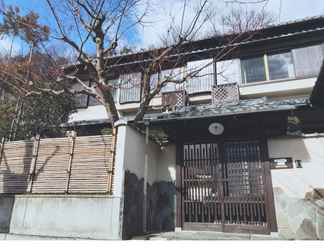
(226, 187)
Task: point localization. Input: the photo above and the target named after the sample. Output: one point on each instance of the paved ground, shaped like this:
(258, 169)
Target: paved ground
(194, 235)
(185, 235)
(4, 236)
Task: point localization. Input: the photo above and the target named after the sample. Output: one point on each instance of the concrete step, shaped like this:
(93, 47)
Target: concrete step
(201, 235)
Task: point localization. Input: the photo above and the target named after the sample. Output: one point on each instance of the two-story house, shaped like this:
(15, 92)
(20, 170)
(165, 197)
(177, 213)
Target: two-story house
(238, 149)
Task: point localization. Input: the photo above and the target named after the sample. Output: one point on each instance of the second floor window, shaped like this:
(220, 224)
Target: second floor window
(253, 70)
(130, 88)
(281, 66)
(173, 74)
(203, 76)
(297, 63)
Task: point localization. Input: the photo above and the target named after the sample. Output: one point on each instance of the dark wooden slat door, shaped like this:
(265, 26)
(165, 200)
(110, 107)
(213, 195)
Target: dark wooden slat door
(224, 187)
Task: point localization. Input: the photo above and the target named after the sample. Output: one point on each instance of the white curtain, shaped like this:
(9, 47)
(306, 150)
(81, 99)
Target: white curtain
(308, 60)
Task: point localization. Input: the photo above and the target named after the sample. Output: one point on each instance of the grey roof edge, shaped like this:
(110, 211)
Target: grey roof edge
(268, 106)
(86, 122)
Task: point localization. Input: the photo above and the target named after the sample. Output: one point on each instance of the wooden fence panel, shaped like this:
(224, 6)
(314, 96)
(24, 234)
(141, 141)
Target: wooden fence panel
(57, 165)
(15, 165)
(51, 166)
(91, 174)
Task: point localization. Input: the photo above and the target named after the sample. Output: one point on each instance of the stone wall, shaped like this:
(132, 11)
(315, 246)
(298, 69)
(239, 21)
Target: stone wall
(299, 192)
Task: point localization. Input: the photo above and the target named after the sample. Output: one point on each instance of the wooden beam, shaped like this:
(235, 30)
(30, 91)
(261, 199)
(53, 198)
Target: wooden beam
(179, 183)
(33, 163)
(2, 148)
(69, 169)
(111, 170)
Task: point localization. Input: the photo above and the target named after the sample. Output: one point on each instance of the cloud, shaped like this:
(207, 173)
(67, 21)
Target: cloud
(292, 9)
(161, 11)
(7, 44)
(162, 14)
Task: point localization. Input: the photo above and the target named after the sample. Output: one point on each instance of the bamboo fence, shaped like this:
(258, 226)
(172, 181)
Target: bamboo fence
(57, 165)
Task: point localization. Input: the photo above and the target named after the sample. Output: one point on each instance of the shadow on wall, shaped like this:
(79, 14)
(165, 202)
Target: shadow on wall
(12, 182)
(160, 206)
(133, 206)
(15, 180)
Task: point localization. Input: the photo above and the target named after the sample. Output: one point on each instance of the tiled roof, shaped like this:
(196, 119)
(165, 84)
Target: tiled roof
(282, 30)
(244, 107)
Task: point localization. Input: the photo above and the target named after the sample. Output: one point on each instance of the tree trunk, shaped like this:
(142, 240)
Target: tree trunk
(109, 103)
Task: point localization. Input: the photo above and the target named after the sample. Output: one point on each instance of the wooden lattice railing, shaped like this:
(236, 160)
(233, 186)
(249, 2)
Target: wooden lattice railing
(59, 165)
(225, 94)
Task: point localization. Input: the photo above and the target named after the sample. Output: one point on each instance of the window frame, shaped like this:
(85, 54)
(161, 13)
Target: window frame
(292, 61)
(267, 68)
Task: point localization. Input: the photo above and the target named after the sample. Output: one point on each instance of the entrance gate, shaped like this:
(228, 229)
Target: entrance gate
(226, 187)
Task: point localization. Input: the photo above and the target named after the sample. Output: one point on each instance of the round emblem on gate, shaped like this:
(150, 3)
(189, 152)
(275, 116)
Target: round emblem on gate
(216, 128)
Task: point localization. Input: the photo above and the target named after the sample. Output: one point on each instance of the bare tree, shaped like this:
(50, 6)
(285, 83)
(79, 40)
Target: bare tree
(240, 20)
(102, 24)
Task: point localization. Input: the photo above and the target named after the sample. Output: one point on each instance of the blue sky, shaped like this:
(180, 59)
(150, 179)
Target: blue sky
(41, 8)
(161, 10)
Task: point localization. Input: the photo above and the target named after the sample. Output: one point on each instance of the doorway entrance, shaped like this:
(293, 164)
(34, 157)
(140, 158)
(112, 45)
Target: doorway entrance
(226, 186)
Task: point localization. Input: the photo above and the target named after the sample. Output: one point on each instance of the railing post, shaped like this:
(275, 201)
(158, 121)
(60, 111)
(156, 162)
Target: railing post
(71, 137)
(2, 148)
(33, 163)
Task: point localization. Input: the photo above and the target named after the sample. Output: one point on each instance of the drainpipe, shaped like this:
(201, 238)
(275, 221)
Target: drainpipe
(147, 132)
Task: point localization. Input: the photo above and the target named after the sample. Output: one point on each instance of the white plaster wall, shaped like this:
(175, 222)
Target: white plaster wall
(135, 150)
(166, 168)
(161, 160)
(299, 214)
(298, 181)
